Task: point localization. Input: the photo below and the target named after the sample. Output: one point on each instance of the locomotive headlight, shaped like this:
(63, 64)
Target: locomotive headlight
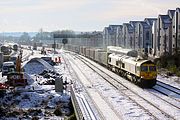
(142, 76)
(154, 76)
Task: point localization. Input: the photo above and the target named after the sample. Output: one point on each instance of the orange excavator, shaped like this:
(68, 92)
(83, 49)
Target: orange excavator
(16, 78)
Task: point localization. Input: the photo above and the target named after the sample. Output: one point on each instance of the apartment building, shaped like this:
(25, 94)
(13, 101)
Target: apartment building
(154, 39)
(143, 36)
(96, 39)
(176, 31)
(151, 22)
(156, 36)
(164, 33)
(163, 36)
(134, 25)
(109, 35)
(119, 35)
(105, 37)
(128, 35)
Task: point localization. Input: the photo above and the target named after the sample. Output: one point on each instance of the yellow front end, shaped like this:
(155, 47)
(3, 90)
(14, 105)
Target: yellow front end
(148, 72)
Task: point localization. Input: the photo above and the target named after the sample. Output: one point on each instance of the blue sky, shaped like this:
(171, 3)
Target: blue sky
(78, 15)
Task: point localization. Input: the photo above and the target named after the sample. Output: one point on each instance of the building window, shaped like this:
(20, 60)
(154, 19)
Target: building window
(138, 68)
(123, 65)
(144, 68)
(117, 63)
(109, 59)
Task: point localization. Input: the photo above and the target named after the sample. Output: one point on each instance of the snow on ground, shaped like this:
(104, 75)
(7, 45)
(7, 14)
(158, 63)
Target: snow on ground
(126, 108)
(38, 98)
(34, 68)
(123, 105)
(171, 80)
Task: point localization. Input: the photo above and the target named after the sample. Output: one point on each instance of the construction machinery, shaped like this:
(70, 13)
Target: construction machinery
(43, 51)
(3, 88)
(16, 78)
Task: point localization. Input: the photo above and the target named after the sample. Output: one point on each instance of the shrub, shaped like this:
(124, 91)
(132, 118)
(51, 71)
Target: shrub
(178, 73)
(169, 62)
(58, 111)
(158, 64)
(172, 69)
(35, 118)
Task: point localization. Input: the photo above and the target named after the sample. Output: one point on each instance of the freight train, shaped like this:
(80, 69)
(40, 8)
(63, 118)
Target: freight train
(124, 62)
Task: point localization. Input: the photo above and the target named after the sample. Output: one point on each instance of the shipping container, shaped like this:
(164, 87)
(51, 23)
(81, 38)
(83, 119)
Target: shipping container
(92, 53)
(101, 56)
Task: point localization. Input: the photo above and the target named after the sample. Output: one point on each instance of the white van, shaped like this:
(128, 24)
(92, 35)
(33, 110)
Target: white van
(8, 67)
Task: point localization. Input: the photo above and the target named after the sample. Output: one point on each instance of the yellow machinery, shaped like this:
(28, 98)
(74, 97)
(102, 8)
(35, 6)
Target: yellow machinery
(18, 64)
(16, 78)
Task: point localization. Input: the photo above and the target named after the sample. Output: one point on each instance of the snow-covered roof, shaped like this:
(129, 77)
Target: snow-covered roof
(120, 50)
(40, 63)
(114, 56)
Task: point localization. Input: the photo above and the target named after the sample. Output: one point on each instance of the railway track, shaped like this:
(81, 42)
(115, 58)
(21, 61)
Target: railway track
(168, 90)
(82, 107)
(171, 90)
(167, 93)
(148, 105)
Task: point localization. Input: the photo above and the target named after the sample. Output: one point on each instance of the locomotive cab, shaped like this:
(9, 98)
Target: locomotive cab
(148, 73)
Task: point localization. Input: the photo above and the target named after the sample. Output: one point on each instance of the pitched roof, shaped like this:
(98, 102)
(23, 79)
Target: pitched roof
(112, 29)
(150, 21)
(133, 23)
(171, 13)
(178, 9)
(166, 20)
(114, 26)
(145, 25)
(130, 28)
